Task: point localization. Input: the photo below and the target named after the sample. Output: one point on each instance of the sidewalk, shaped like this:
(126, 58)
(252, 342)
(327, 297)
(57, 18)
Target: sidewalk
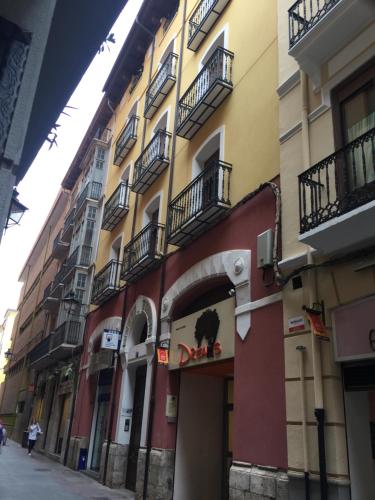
(39, 478)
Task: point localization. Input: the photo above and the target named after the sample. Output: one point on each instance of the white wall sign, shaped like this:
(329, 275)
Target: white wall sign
(110, 339)
(296, 324)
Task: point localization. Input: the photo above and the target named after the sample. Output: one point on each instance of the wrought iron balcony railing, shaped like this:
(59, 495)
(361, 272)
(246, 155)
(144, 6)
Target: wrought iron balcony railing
(85, 256)
(143, 252)
(304, 15)
(338, 184)
(200, 204)
(92, 191)
(67, 334)
(40, 351)
(162, 83)
(152, 162)
(50, 300)
(202, 20)
(59, 247)
(106, 282)
(116, 207)
(126, 140)
(206, 93)
(58, 283)
(67, 230)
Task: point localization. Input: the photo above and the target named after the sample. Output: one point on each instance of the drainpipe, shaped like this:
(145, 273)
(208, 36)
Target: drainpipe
(315, 343)
(165, 249)
(301, 349)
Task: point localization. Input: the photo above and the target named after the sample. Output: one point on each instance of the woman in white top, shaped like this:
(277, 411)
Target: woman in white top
(34, 431)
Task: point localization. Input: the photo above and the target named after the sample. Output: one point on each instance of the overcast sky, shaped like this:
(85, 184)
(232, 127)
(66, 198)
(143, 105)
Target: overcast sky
(40, 186)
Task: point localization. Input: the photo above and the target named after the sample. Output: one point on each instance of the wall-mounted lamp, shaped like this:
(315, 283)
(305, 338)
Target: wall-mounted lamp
(16, 211)
(8, 354)
(71, 304)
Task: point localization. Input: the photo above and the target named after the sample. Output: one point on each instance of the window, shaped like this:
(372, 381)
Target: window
(91, 213)
(100, 157)
(81, 280)
(90, 226)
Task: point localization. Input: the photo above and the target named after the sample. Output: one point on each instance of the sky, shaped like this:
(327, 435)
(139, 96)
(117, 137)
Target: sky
(41, 184)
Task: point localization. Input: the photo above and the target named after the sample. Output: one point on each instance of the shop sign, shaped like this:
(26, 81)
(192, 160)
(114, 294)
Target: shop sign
(65, 387)
(110, 339)
(317, 326)
(203, 337)
(162, 355)
(296, 324)
(354, 330)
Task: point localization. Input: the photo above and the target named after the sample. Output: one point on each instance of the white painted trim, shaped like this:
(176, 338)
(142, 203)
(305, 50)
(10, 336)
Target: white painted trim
(290, 133)
(318, 112)
(234, 264)
(225, 30)
(257, 304)
(171, 39)
(289, 84)
(129, 167)
(159, 195)
(167, 112)
(119, 238)
(195, 169)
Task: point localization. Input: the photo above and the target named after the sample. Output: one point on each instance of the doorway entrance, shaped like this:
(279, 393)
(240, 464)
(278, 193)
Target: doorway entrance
(136, 426)
(204, 433)
(100, 419)
(360, 426)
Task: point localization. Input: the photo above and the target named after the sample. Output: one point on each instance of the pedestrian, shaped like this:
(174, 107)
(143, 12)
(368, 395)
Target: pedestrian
(5, 435)
(34, 431)
(1, 436)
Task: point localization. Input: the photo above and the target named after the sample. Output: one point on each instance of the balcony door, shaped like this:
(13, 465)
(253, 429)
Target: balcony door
(354, 113)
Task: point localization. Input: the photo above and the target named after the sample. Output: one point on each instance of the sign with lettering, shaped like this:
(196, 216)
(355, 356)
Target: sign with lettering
(203, 337)
(110, 339)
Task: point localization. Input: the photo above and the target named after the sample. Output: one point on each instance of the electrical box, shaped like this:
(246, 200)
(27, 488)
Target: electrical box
(264, 249)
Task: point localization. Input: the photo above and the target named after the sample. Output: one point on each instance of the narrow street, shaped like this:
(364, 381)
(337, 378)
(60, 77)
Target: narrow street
(39, 478)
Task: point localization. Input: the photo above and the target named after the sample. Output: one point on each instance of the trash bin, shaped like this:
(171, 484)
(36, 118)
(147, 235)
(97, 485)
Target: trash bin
(25, 439)
(82, 459)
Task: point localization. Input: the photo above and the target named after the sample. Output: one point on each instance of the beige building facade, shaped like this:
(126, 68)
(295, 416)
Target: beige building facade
(327, 164)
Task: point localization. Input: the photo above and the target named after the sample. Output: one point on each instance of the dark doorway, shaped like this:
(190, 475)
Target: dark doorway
(135, 436)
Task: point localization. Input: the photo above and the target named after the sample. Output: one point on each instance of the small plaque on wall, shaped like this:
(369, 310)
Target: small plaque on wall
(171, 408)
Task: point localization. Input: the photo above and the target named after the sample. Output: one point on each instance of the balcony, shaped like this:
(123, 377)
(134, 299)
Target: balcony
(116, 207)
(337, 198)
(55, 291)
(60, 248)
(160, 86)
(318, 29)
(81, 257)
(39, 357)
(202, 20)
(91, 192)
(65, 338)
(51, 302)
(152, 162)
(126, 140)
(67, 230)
(106, 283)
(206, 93)
(143, 252)
(200, 204)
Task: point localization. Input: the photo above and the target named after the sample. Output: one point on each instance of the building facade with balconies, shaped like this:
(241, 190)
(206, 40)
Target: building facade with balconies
(327, 120)
(192, 183)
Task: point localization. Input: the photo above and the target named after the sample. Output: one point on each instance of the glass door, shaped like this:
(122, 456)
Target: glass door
(100, 430)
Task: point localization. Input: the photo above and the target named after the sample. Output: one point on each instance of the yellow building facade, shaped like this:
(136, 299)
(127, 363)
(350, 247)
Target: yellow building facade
(326, 81)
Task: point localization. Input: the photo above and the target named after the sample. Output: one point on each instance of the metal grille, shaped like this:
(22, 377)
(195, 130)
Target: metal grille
(125, 140)
(304, 15)
(106, 282)
(67, 333)
(116, 206)
(341, 182)
(166, 72)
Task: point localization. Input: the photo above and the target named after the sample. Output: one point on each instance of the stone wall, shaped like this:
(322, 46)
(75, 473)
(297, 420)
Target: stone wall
(117, 464)
(75, 445)
(255, 483)
(160, 477)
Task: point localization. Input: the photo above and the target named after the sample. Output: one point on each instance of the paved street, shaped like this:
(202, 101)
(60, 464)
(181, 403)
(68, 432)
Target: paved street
(39, 478)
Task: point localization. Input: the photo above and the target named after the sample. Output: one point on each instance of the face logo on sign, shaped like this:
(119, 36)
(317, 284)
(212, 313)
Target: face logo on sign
(206, 327)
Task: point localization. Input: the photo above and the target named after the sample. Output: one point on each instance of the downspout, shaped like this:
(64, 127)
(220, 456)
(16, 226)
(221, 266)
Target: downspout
(301, 349)
(114, 381)
(165, 249)
(315, 343)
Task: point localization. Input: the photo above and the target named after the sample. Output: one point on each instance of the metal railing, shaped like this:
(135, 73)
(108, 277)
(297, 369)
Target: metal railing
(85, 256)
(217, 68)
(119, 199)
(41, 350)
(127, 133)
(210, 187)
(106, 279)
(67, 333)
(59, 277)
(198, 17)
(167, 71)
(69, 220)
(92, 190)
(146, 244)
(336, 185)
(47, 291)
(304, 15)
(157, 149)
